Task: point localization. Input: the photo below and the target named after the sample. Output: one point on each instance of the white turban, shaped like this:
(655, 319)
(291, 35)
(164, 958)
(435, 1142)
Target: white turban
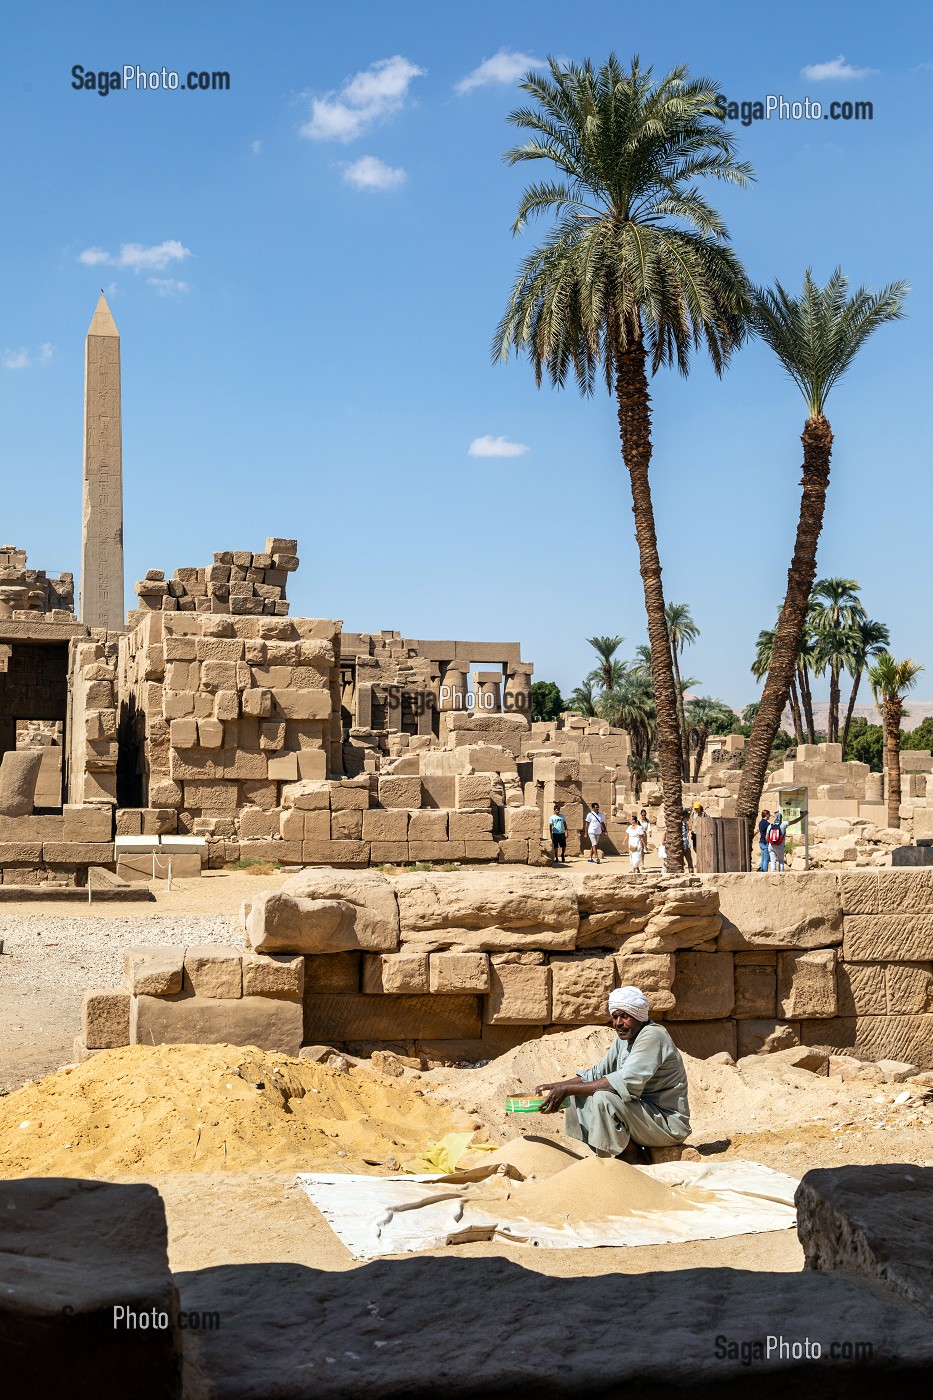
(631, 1001)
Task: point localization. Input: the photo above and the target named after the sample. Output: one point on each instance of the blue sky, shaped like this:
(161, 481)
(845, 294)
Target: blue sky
(306, 271)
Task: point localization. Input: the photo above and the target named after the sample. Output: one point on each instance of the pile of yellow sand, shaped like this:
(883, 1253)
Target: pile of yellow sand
(190, 1108)
(594, 1188)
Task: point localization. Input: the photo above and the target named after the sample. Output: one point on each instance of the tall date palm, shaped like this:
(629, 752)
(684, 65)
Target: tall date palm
(636, 270)
(816, 336)
(890, 681)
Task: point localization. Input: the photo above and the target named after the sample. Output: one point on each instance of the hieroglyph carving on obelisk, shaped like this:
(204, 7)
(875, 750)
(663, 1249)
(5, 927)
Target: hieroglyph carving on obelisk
(101, 595)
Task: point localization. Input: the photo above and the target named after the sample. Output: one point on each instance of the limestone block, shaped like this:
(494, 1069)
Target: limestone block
(755, 986)
(459, 972)
(87, 822)
(519, 995)
(214, 797)
(580, 988)
(213, 971)
(343, 854)
(807, 984)
(257, 703)
(499, 909)
(650, 972)
(333, 972)
(270, 1023)
(177, 704)
(888, 937)
(19, 774)
(77, 852)
(470, 826)
(909, 988)
(523, 822)
(401, 791)
(393, 1018)
(106, 1019)
(751, 1035)
(152, 969)
(307, 796)
(210, 733)
(184, 733)
(349, 796)
(701, 1039)
(474, 789)
(389, 824)
(794, 910)
(866, 1221)
(158, 821)
(253, 822)
(436, 850)
(907, 1038)
(321, 911)
(513, 851)
(396, 973)
(861, 989)
(165, 793)
(98, 695)
(20, 852)
(218, 649)
(292, 824)
(73, 1251)
(301, 704)
(182, 648)
(284, 768)
(273, 975)
(138, 869)
(428, 824)
(482, 850)
(388, 853)
(312, 764)
(272, 735)
(346, 825)
(704, 987)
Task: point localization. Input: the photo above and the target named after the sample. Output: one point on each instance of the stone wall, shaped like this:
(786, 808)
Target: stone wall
(464, 964)
(92, 721)
(25, 592)
(238, 581)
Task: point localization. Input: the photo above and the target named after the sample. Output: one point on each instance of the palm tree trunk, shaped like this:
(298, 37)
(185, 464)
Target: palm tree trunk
(806, 700)
(795, 711)
(850, 711)
(681, 719)
(892, 744)
(701, 750)
(635, 430)
(817, 441)
(834, 698)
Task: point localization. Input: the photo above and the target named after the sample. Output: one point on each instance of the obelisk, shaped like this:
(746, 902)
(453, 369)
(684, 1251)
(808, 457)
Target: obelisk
(101, 592)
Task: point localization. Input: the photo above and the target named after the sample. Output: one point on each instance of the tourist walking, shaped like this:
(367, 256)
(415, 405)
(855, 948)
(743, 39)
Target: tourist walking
(637, 845)
(763, 825)
(558, 825)
(595, 828)
(777, 831)
(686, 839)
(646, 826)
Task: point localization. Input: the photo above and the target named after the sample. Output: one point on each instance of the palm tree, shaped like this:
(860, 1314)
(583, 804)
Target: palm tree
(631, 706)
(834, 610)
(871, 638)
(640, 769)
(760, 667)
(683, 632)
(703, 714)
(608, 675)
(583, 699)
(637, 267)
(816, 336)
(890, 681)
(605, 648)
(803, 668)
(642, 663)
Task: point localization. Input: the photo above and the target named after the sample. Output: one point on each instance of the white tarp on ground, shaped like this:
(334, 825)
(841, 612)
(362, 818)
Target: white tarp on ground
(377, 1215)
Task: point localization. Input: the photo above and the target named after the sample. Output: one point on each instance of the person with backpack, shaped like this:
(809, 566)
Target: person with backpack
(777, 831)
(763, 839)
(558, 825)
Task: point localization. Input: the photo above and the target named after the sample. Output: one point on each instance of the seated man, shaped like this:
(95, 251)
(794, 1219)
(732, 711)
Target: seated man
(636, 1096)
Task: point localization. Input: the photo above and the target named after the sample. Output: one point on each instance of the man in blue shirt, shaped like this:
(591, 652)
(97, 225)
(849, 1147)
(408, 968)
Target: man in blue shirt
(763, 838)
(558, 825)
(636, 1096)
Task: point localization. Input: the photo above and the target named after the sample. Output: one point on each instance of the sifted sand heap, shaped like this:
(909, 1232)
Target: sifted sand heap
(594, 1188)
(145, 1110)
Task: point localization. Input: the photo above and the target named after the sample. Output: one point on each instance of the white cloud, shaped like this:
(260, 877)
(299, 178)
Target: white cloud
(135, 255)
(256, 148)
(369, 96)
(370, 173)
(25, 358)
(489, 446)
(835, 68)
(504, 67)
(169, 286)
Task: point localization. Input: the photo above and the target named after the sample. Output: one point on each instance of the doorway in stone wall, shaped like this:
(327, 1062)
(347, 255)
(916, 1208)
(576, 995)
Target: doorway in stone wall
(34, 707)
(46, 736)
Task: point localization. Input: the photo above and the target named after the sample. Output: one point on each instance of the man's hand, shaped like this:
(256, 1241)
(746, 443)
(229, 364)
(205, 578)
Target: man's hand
(556, 1093)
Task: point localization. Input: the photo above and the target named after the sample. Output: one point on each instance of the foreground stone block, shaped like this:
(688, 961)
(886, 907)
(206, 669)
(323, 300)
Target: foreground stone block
(704, 989)
(458, 972)
(273, 975)
(323, 911)
(807, 984)
(861, 989)
(755, 985)
(401, 791)
(499, 909)
(70, 1253)
(906, 1038)
(105, 1019)
(871, 1221)
(153, 970)
(366, 1018)
(396, 973)
(19, 773)
(271, 1023)
(779, 911)
(213, 971)
(888, 938)
(87, 823)
(332, 972)
(519, 995)
(580, 988)
(701, 1039)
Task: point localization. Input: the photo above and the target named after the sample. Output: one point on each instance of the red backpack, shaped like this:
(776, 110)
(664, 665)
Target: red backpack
(775, 835)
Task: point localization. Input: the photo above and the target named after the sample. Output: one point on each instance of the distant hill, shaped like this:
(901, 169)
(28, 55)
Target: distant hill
(918, 711)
